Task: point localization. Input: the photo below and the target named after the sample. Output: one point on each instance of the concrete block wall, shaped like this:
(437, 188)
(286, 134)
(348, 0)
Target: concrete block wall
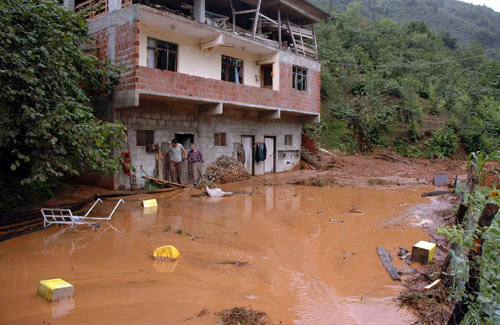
(167, 119)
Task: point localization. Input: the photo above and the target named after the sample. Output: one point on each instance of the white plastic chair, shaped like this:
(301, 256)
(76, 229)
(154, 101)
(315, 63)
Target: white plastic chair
(66, 216)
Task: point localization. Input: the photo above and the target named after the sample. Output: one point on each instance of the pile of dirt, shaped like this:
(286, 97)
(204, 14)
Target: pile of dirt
(226, 169)
(241, 315)
(316, 181)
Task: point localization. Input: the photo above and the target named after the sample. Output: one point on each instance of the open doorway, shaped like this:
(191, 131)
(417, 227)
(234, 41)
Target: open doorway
(185, 139)
(266, 76)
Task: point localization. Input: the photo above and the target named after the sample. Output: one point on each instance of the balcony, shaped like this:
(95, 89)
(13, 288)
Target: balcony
(282, 24)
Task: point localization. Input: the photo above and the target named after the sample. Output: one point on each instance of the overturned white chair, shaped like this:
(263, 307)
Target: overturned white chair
(66, 216)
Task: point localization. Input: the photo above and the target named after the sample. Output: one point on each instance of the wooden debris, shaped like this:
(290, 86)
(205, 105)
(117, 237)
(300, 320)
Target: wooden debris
(226, 169)
(335, 220)
(387, 156)
(433, 284)
(386, 261)
(436, 193)
(162, 181)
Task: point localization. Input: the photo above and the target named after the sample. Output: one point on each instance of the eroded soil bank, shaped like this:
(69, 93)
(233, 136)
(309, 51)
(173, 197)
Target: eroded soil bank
(275, 249)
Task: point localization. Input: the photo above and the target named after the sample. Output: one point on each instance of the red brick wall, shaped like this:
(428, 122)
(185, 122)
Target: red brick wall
(179, 84)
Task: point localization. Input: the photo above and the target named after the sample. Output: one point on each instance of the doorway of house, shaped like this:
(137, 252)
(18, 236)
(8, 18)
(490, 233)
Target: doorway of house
(266, 76)
(185, 139)
(247, 142)
(270, 162)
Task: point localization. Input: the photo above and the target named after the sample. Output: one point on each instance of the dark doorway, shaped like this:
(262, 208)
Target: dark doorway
(266, 76)
(185, 139)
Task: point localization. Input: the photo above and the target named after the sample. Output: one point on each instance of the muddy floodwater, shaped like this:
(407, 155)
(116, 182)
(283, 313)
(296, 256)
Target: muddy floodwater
(303, 255)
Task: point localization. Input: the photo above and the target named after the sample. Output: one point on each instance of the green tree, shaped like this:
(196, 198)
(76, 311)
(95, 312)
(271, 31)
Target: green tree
(47, 125)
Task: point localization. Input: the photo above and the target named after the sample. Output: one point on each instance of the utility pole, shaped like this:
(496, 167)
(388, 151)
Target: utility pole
(373, 10)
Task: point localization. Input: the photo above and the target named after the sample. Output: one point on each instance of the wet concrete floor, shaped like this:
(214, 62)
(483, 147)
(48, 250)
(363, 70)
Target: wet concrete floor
(302, 268)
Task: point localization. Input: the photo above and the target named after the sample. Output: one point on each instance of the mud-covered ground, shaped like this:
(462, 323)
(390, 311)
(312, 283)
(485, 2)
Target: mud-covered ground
(301, 254)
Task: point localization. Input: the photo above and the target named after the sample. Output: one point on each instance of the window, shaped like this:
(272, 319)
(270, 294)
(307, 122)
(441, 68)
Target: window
(220, 139)
(162, 55)
(299, 78)
(145, 137)
(232, 69)
(288, 140)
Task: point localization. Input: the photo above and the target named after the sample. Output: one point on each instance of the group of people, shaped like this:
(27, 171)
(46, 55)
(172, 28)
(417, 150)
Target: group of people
(177, 154)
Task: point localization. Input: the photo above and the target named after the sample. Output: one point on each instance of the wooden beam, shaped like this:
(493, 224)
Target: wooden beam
(386, 261)
(233, 20)
(315, 41)
(256, 19)
(218, 40)
(302, 42)
(291, 34)
(271, 20)
(279, 27)
(242, 12)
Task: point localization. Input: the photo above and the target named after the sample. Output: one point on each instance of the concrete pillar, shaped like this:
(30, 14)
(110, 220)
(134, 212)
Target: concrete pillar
(114, 5)
(70, 4)
(199, 10)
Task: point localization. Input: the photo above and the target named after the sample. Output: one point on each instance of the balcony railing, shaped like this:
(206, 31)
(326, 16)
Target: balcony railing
(92, 8)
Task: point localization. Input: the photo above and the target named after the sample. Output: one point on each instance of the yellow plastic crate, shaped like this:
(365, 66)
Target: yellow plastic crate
(55, 289)
(149, 203)
(423, 252)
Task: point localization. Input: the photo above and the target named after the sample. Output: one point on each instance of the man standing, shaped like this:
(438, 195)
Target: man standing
(176, 153)
(196, 159)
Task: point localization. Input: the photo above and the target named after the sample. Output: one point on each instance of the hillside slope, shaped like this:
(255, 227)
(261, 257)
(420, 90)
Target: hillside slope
(449, 18)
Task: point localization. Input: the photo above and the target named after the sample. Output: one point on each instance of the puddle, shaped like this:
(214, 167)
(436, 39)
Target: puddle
(286, 256)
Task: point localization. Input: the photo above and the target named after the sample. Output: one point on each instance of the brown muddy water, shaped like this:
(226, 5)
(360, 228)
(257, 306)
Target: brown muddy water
(302, 268)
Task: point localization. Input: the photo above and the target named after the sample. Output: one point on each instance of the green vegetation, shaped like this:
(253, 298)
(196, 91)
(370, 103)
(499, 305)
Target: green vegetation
(457, 23)
(47, 126)
(485, 308)
(398, 86)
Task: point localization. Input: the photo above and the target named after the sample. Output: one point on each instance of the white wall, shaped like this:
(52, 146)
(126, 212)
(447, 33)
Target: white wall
(206, 63)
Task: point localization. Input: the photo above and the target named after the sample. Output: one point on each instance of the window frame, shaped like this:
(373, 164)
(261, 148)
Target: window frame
(167, 50)
(301, 85)
(290, 140)
(220, 139)
(226, 76)
(144, 137)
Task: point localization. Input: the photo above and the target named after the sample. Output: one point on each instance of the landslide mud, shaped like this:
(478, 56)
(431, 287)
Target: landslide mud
(274, 249)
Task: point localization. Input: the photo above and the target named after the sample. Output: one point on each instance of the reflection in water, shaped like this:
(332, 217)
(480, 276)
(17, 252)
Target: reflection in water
(61, 308)
(295, 259)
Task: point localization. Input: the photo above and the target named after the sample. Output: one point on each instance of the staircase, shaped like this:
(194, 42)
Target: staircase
(311, 158)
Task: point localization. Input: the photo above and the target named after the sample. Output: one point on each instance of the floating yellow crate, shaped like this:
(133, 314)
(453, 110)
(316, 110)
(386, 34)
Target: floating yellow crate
(149, 203)
(55, 289)
(423, 252)
(166, 252)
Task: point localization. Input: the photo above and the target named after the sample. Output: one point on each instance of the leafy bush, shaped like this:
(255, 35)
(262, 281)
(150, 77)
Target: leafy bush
(444, 142)
(47, 126)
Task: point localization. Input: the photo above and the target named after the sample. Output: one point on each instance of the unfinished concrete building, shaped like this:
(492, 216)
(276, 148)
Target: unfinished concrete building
(221, 74)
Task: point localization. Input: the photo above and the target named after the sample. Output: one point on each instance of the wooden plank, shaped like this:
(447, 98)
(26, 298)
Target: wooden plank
(269, 19)
(162, 181)
(433, 284)
(436, 193)
(290, 31)
(315, 41)
(386, 261)
(256, 20)
(242, 12)
(302, 42)
(279, 27)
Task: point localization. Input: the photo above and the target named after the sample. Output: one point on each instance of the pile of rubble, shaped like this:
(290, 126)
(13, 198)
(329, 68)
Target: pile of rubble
(226, 170)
